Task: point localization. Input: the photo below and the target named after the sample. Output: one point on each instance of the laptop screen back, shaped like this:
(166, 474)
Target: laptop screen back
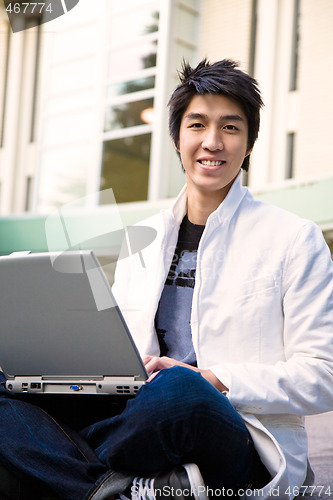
(51, 324)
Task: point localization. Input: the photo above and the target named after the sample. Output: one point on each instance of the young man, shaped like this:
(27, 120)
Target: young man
(246, 299)
(233, 313)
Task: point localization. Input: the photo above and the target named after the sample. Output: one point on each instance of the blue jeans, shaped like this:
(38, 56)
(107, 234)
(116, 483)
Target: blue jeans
(178, 417)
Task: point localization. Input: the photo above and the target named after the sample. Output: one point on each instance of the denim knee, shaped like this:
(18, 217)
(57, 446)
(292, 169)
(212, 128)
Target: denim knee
(182, 389)
(178, 374)
(180, 380)
(186, 380)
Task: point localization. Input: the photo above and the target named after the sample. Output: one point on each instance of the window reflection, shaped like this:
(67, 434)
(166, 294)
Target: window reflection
(124, 115)
(133, 44)
(131, 59)
(125, 167)
(129, 87)
(141, 22)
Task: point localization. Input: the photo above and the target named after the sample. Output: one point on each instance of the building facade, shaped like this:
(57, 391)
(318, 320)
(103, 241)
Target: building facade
(83, 102)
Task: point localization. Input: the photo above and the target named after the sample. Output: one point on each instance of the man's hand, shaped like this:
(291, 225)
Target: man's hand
(154, 364)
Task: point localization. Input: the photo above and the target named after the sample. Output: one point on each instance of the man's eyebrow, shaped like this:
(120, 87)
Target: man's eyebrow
(235, 118)
(196, 116)
(202, 116)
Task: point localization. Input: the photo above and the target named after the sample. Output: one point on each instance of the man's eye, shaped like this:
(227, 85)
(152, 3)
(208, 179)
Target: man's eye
(230, 127)
(196, 125)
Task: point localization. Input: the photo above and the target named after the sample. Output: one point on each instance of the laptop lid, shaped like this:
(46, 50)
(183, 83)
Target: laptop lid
(61, 329)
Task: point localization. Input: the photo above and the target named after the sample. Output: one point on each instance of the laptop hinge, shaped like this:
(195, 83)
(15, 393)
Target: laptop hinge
(70, 377)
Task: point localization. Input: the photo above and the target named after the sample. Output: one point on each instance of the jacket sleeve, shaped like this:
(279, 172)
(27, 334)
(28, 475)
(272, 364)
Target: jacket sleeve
(302, 383)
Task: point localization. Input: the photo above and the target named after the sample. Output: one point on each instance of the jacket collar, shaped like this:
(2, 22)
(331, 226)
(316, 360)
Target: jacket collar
(224, 211)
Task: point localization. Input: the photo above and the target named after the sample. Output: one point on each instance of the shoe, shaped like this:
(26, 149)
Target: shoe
(181, 483)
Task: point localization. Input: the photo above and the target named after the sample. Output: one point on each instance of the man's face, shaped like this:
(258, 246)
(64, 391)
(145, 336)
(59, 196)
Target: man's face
(212, 143)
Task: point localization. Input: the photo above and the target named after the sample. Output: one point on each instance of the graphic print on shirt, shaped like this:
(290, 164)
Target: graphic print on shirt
(173, 318)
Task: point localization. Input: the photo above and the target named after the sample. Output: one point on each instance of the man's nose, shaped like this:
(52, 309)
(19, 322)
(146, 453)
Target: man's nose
(212, 140)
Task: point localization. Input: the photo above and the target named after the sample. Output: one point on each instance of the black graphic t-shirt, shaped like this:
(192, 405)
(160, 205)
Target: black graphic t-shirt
(173, 317)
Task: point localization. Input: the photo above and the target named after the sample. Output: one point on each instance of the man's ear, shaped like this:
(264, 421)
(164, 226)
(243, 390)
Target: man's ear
(248, 152)
(176, 146)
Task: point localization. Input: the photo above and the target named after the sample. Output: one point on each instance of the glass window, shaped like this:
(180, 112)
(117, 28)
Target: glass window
(131, 67)
(141, 22)
(125, 167)
(120, 88)
(128, 114)
(134, 58)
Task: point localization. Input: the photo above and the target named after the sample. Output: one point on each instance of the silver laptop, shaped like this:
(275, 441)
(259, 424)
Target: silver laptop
(61, 330)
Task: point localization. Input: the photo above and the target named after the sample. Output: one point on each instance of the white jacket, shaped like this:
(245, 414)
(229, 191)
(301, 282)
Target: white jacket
(262, 319)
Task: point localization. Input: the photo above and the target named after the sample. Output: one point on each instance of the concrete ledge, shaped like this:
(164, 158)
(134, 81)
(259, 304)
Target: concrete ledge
(312, 200)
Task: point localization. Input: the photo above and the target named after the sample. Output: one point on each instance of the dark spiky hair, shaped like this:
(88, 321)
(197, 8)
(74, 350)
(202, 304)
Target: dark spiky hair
(220, 78)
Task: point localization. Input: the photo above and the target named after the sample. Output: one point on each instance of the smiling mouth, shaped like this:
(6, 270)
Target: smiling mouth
(209, 163)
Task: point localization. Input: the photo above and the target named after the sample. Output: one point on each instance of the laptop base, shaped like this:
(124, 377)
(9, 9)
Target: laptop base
(125, 386)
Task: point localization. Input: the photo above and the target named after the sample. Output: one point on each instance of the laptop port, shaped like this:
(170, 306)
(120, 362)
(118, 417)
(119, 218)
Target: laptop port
(35, 385)
(24, 387)
(76, 387)
(123, 389)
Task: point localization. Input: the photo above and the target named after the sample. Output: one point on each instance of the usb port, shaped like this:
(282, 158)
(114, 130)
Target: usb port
(24, 387)
(35, 385)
